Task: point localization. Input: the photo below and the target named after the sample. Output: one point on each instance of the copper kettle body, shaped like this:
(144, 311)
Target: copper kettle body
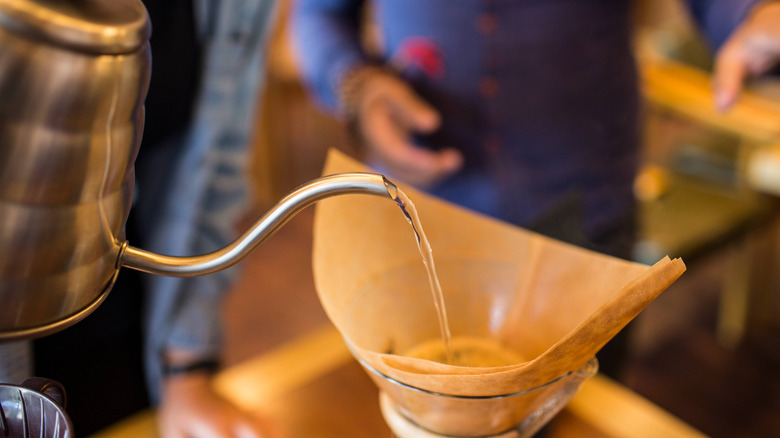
(73, 76)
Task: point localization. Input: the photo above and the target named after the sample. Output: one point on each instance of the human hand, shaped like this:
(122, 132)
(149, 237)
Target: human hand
(192, 409)
(386, 113)
(752, 49)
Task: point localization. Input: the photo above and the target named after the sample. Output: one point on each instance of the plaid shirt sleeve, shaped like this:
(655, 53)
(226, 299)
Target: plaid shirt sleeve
(209, 188)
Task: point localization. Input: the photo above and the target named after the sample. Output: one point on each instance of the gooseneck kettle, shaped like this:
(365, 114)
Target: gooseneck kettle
(73, 78)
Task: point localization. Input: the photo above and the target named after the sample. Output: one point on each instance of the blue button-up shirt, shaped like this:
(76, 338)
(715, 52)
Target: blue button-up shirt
(540, 96)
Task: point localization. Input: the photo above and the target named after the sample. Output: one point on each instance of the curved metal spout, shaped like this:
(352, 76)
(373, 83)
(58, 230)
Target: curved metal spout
(284, 210)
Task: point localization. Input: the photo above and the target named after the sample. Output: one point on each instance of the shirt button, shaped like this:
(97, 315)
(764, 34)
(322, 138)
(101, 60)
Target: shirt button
(492, 144)
(489, 86)
(487, 23)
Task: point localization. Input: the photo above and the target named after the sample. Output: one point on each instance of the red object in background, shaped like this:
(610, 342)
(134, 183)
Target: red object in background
(421, 53)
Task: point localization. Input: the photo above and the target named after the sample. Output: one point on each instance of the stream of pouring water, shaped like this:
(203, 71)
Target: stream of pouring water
(407, 207)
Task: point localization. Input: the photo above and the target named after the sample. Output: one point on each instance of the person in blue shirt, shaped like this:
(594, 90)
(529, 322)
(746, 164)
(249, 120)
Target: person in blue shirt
(524, 110)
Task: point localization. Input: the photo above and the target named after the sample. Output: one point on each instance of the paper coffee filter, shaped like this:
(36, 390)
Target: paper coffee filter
(569, 354)
(553, 303)
(402, 294)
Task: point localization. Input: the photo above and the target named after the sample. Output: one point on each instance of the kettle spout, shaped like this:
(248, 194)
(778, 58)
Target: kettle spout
(275, 218)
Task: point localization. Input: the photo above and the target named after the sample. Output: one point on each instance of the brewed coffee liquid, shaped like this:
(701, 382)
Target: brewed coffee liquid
(410, 212)
(467, 352)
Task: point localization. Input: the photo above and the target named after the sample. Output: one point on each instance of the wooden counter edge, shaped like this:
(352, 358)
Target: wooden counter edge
(601, 402)
(620, 412)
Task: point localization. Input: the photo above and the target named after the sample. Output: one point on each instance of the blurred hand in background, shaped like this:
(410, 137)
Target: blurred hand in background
(753, 49)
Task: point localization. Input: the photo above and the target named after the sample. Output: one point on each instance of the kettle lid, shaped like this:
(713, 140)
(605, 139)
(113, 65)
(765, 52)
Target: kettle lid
(95, 26)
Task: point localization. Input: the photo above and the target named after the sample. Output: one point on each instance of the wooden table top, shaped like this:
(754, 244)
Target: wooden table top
(316, 389)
